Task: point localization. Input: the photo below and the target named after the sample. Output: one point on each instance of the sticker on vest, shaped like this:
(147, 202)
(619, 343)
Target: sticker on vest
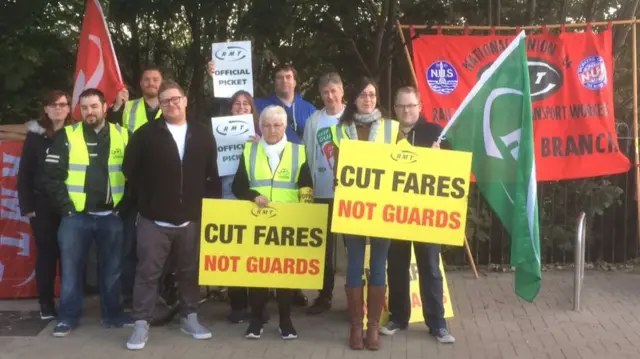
(117, 153)
(283, 173)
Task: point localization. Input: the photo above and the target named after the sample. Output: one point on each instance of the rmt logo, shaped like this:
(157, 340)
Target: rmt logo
(545, 78)
(266, 212)
(405, 156)
(231, 53)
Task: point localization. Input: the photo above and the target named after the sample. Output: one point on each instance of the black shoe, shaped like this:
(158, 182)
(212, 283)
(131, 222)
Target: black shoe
(237, 316)
(287, 331)
(299, 299)
(254, 331)
(47, 311)
(320, 305)
(127, 304)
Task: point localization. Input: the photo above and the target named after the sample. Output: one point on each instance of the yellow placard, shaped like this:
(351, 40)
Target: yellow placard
(279, 246)
(414, 293)
(401, 192)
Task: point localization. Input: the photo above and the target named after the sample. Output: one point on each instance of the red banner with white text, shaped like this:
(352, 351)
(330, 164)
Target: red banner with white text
(571, 76)
(17, 247)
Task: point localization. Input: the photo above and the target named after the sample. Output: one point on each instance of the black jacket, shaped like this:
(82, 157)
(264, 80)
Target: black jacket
(96, 185)
(424, 134)
(31, 183)
(167, 189)
(241, 189)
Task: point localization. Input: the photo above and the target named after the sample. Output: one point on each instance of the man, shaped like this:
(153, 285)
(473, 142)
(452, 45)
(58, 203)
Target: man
(171, 164)
(319, 148)
(298, 110)
(417, 132)
(135, 113)
(132, 115)
(83, 177)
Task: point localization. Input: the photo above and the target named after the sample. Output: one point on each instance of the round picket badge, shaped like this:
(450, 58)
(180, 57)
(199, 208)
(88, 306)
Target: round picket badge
(442, 77)
(592, 72)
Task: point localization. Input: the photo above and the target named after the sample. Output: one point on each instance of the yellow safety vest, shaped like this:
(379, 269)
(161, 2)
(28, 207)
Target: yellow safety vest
(389, 132)
(79, 162)
(134, 114)
(281, 186)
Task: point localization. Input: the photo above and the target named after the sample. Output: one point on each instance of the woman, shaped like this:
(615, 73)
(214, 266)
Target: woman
(241, 103)
(34, 203)
(362, 121)
(261, 160)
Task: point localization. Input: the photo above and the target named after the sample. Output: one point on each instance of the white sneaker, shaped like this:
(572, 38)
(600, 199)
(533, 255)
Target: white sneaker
(140, 335)
(191, 326)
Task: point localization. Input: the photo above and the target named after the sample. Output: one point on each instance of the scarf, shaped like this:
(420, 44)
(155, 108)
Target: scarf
(274, 152)
(365, 119)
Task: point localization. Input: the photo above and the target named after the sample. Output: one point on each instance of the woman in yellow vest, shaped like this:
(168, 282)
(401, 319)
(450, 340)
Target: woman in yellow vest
(362, 121)
(272, 170)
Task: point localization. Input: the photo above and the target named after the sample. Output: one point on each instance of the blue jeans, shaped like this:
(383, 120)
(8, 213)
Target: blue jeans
(355, 260)
(75, 236)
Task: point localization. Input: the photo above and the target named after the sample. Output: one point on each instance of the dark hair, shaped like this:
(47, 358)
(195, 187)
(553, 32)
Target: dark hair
(150, 68)
(93, 92)
(49, 99)
(350, 109)
(168, 85)
(285, 67)
(234, 98)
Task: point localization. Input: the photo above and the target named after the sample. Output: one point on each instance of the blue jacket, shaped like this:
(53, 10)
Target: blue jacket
(297, 114)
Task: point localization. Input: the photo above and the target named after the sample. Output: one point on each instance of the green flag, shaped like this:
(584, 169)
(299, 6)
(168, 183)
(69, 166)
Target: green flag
(494, 122)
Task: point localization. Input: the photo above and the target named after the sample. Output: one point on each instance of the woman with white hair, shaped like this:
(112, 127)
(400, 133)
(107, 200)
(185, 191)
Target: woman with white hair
(272, 170)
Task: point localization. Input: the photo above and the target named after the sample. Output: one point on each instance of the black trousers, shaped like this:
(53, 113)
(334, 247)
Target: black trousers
(258, 298)
(330, 252)
(45, 232)
(431, 288)
(129, 252)
(238, 298)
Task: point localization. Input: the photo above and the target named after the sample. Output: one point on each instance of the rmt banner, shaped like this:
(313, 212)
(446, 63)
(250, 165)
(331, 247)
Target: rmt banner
(571, 78)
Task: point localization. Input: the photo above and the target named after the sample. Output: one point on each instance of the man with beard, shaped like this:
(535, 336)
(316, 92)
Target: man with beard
(84, 179)
(132, 114)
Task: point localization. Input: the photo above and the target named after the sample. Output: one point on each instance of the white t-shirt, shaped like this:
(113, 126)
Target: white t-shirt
(179, 133)
(324, 160)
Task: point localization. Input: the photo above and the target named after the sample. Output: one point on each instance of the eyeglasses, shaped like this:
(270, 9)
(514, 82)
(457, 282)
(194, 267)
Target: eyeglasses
(58, 105)
(367, 94)
(174, 100)
(410, 106)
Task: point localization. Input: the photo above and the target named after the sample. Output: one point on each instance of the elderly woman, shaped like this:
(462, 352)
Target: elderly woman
(274, 160)
(362, 121)
(34, 203)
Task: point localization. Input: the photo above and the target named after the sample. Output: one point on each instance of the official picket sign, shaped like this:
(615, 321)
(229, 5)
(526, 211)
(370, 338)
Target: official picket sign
(231, 133)
(401, 192)
(279, 246)
(233, 70)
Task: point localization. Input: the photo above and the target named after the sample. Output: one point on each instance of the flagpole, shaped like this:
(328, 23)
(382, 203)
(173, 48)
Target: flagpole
(636, 168)
(407, 55)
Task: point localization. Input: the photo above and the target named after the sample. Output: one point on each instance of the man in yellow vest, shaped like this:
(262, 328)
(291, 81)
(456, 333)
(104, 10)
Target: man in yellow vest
(132, 114)
(84, 181)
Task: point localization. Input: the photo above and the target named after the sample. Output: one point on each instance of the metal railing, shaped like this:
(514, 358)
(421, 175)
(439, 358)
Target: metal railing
(579, 249)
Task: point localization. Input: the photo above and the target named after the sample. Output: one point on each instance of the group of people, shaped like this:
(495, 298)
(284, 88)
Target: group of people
(132, 175)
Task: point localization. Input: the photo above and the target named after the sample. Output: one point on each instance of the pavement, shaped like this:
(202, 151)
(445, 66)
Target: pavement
(490, 322)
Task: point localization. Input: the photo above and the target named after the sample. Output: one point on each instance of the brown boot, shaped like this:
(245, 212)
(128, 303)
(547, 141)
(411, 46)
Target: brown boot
(375, 301)
(356, 314)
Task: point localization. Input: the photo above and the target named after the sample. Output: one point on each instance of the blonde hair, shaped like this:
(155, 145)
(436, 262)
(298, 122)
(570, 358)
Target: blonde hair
(409, 90)
(273, 112)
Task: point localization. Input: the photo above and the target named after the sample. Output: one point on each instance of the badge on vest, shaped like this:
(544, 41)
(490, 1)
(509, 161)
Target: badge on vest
(283, 173)
(117, 153)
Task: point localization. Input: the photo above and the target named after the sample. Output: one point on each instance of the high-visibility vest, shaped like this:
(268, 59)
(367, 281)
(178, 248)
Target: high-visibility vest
(134, 114)
(79, 162)
(281, 186)
(387, 132)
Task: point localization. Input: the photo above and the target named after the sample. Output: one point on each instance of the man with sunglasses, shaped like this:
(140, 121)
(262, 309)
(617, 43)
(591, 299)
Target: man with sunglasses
(171, 165)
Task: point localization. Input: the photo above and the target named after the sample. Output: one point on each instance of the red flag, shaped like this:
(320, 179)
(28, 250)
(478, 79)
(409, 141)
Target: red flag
(96, 63)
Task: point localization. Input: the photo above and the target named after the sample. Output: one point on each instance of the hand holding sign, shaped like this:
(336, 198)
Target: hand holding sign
(261, 201)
